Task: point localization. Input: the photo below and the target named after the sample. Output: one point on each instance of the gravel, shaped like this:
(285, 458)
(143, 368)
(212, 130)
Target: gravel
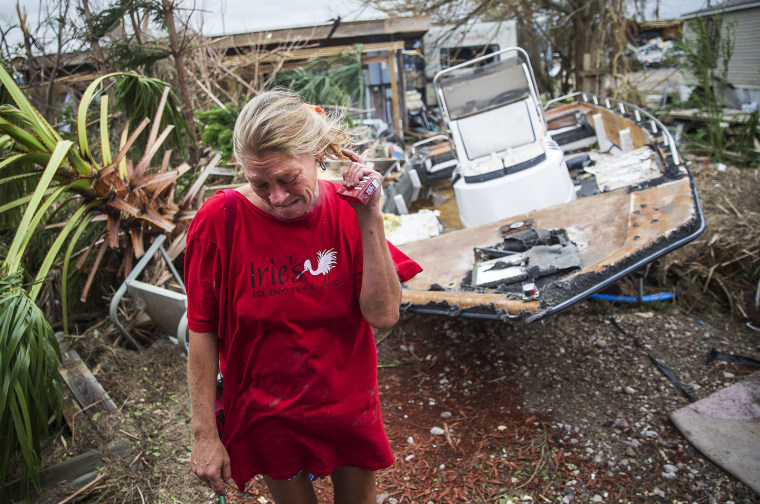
(594, 386)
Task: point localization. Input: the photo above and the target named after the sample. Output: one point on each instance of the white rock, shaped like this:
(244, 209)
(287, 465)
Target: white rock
(446, 414)
(408, 458)
(392, 500)
(410, 440)
(437, 431)
(670, 468)
(668, 475)
(658, 492)
(630, 390)
(442, 467)
(382, 497)
(597, 498)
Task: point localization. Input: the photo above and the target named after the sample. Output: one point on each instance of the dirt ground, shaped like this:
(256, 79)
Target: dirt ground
(571, 409)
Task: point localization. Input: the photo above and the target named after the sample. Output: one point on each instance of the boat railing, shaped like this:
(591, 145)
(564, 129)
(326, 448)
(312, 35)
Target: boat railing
(624, 108)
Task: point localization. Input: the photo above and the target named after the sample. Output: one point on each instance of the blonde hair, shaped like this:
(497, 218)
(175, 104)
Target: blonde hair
(278, 121)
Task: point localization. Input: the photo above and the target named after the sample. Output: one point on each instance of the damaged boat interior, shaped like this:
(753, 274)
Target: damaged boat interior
(555, 202)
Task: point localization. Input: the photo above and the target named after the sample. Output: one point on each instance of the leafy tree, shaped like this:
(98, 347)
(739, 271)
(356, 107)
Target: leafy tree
(569, 28)
(138, 97)
(217, 125)
(707, 47)
(67, 183)
(336, 80)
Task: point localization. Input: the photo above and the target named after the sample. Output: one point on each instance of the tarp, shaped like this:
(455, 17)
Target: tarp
(725, 427)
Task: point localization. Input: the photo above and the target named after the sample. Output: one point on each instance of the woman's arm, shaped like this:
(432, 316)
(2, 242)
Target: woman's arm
(380, 296)
(209, 459)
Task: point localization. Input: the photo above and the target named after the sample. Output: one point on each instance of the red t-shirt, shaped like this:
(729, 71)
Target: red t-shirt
(299, 360)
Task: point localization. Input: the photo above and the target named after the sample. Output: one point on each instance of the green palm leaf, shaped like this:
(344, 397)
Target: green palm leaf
(13, 259)
(29, 387)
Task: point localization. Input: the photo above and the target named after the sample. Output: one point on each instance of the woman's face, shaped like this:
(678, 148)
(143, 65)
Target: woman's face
(286, 187)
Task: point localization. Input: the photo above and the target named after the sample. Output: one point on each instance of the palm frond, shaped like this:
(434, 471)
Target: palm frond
(30, 390)
(137, 97)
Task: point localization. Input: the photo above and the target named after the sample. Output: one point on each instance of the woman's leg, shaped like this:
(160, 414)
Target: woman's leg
(295, 491)
(352, 485)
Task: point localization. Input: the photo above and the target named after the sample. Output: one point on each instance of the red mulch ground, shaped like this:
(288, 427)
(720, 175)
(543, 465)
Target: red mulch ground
(489, 450)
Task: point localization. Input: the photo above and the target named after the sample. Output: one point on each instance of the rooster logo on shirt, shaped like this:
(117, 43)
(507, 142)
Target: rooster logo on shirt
(326, 260)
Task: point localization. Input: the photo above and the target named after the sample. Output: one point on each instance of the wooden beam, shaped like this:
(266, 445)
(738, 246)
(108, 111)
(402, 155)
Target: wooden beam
(88, 392)
(394, 92)
(402, 92)
(309, 53)
(466, 299)
(79, 470)
(400, 26)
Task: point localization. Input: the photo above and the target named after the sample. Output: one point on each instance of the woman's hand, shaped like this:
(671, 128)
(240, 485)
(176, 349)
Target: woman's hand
(211, 463)
(354, 174)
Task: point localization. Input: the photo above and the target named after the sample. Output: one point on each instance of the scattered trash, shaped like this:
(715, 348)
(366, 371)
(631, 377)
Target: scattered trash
(672, 377)
(733, 359)
(530, 291)
(663, 369)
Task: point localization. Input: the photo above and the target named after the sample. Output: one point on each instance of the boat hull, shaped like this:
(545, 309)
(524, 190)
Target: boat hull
(615, 231)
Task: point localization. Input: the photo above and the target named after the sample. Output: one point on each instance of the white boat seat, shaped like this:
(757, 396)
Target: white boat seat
(165, 307)
(496, 130)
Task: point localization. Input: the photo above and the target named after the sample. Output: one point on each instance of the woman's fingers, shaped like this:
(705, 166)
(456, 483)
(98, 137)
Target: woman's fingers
(353, 156)
(354, 173)
(208, 461)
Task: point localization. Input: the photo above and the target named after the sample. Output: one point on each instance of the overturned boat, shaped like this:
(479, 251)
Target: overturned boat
(554, 203)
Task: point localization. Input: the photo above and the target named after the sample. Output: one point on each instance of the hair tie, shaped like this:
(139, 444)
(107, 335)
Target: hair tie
(317, 110)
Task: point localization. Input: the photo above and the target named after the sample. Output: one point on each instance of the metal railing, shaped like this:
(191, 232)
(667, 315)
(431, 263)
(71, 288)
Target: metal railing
(625, 108)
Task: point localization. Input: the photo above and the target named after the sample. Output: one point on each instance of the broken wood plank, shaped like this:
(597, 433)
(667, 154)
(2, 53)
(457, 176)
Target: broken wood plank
(467, 299)
(70, 411)
(72, 469)
(83, 490)
(88, 392)
(69, 470)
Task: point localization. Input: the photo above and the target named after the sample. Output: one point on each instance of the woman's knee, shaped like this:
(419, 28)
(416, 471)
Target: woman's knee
(353, 485)
(298, 490)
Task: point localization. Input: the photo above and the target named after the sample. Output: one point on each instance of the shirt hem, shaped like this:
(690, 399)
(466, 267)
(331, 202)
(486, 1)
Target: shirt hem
(319, 474)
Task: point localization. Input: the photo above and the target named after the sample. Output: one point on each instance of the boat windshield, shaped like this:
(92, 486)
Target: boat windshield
(472, 90)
